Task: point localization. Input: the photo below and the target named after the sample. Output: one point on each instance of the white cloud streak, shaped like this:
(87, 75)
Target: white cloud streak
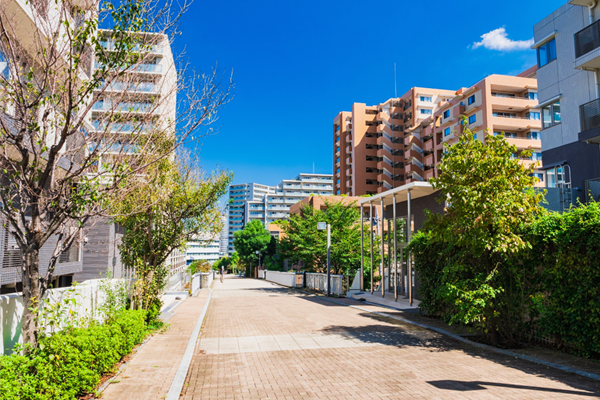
(498, 40)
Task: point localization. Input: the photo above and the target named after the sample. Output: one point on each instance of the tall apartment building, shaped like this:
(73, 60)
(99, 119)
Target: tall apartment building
(400, 141)
(238, 196)
(568, 49)
(496, 105)
(251, 201)
(136, 95)
(224, 235)
(369, 149)
(276, 205)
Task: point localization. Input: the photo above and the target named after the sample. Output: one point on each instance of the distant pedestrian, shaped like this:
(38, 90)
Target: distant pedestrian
(222, 272)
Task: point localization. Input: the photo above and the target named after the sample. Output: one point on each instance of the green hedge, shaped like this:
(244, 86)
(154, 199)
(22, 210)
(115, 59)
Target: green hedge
(70, 363)
(553, 287)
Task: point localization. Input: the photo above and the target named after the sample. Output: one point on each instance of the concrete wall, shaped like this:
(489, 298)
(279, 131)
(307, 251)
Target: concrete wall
(89, 298)
(283, 278)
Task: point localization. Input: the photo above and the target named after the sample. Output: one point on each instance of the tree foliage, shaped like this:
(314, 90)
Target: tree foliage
(177, 203)
(302, 241)
(254, 237)
(490, 199)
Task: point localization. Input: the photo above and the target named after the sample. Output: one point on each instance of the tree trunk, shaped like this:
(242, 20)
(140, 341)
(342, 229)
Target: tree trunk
(32, 293)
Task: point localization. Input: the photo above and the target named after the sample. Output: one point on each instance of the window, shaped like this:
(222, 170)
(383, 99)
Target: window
(447, 114)
(531, 96)
(475, 136)
(426, 99)
(539, 176)
(337, 128)
(546, 53)
(447, 131)
(471, 99)
(337, 160)
(472, 118)
(337, 171)
(537, 156)
(533, 136)
(533, 115)
(551, 115)
(504, 114)
(426, 111)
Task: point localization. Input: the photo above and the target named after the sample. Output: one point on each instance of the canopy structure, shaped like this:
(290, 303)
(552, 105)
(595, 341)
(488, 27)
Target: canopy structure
(406, 193)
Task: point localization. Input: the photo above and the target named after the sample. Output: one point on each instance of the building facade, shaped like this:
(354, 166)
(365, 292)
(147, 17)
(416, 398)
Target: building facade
(401, 141)
(206, 249)
(238, 196)
(567, 43)
(368, 142)
(496, 105)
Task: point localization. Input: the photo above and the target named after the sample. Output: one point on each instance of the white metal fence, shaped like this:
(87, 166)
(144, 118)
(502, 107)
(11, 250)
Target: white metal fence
(319, 282)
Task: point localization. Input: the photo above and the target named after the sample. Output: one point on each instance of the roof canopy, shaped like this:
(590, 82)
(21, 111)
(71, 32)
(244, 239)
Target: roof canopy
(417, 189)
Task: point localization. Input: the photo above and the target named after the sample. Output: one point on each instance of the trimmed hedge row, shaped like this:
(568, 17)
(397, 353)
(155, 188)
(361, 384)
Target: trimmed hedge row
(71, 363)
(559, 278)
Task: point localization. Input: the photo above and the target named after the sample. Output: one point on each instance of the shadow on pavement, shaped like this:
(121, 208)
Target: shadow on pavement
(464, 386)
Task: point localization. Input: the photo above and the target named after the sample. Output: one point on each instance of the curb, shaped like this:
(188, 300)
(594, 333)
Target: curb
(457, 337)
(184, 365)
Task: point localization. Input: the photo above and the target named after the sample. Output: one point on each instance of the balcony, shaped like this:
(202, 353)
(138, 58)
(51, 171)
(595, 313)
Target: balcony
(515, 123)
(429, 174)
(589, 115)
(587, 47)
(458, 111)
(428, 146)
(514, 104)
(524, 143)
(429, 160)
(413, 154)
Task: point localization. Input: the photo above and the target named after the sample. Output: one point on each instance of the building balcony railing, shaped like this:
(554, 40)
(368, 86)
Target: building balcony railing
(587, 39)
(589, 115)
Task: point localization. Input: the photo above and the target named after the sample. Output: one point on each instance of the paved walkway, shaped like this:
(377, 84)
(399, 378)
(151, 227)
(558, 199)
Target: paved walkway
(262, 341)
(150, 373)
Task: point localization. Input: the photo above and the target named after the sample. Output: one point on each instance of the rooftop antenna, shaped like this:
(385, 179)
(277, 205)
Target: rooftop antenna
(395, 88)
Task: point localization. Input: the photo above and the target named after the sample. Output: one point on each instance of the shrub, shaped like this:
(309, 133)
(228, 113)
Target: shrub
(70, 363)
(567, 252)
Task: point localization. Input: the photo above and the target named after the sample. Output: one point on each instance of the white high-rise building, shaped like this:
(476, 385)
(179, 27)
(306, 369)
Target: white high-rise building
(238, 195)
(204, 249)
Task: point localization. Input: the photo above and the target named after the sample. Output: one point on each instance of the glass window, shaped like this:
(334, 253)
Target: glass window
(471, 99)
(426, 111)
(472, 118)
(546, 53)
(447, 114)
(447, 131)
(475, 136)
(533, 115)
(551, 115)
(532, 96)
(4, 71)
(426, 99)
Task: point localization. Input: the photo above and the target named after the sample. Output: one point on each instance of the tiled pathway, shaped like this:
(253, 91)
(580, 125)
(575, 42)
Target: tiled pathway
(262, 341)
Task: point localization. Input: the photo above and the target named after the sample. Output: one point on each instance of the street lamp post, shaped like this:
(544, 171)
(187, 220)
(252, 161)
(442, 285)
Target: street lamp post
(258, 267)
(322, 226)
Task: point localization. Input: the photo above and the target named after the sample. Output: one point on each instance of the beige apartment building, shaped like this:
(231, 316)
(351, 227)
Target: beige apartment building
(382, 147)
(496, 105)
(369, 149)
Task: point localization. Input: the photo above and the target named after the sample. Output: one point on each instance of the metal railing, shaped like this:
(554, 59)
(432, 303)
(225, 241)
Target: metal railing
(587, 39)
(589, 115)
(319, 282)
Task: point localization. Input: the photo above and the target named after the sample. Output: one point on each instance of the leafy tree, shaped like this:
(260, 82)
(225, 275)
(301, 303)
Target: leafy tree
(254, 237)
(199, 266)
(177, 203)
(235, 260)
(303, 242)
(57, 170)
(490, 198)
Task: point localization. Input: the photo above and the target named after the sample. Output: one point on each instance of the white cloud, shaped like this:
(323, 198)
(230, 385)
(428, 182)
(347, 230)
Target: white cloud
(498, 40)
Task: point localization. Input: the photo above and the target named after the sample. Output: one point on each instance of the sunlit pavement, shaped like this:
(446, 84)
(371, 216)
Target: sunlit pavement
(262, 341)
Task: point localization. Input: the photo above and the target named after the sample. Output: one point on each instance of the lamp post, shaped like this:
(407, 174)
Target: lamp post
(322, 226)
(258, 267)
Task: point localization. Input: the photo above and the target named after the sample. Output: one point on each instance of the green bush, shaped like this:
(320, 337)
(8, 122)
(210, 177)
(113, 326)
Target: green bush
(70, 363)
(566, 250)
(554, 286)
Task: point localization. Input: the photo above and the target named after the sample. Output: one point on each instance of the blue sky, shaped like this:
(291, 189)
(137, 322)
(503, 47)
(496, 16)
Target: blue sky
(297, 64)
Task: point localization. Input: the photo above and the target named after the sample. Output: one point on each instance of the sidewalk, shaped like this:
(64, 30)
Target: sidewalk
(389, 301)
(150, 372)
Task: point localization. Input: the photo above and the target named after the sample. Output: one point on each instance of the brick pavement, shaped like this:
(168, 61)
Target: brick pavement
(150, 372)
(242, 354)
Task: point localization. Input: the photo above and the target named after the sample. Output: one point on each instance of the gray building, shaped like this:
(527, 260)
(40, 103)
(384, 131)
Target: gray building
(568, 49)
